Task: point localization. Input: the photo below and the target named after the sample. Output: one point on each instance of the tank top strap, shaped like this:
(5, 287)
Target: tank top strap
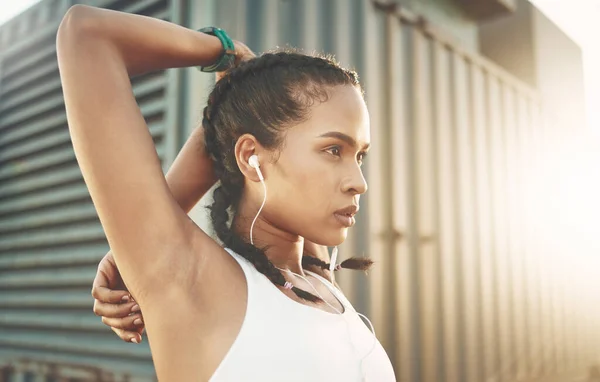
(244, 263)
(258, 284)
(336, 292)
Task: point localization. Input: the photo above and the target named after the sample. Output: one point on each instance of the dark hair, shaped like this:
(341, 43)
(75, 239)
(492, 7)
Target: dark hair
(262, 96)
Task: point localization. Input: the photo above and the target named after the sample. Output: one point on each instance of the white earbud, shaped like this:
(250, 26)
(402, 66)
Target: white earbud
(253, 162)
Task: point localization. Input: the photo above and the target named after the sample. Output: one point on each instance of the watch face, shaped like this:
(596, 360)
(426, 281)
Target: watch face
(208, 30)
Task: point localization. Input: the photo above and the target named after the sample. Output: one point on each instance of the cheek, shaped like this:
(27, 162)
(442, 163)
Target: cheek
(315, 182)
(302, 200)
(308, 188)
(315, 194)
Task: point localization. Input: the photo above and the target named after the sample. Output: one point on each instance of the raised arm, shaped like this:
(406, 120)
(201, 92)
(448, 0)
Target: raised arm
(98, 50)
(191, 175)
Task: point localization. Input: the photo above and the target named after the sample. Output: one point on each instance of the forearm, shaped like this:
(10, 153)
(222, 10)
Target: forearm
(192, 173)
(146, 44)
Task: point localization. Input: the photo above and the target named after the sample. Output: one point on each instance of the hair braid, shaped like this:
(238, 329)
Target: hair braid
(261, 96)
(355, 263)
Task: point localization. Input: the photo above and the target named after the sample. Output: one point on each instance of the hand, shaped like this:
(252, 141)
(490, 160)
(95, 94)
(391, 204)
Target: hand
(242, 53)
(109, 292)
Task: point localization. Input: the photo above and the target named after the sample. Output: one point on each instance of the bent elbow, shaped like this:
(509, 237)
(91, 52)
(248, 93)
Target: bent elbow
(76, 22)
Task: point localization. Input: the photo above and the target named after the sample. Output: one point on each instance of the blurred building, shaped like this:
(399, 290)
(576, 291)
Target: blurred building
(467, 99)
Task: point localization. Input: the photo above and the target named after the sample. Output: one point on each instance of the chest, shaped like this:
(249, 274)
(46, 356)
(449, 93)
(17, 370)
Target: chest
(291, 350)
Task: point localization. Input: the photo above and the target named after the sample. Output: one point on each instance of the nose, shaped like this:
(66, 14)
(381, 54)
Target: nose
(355, 183)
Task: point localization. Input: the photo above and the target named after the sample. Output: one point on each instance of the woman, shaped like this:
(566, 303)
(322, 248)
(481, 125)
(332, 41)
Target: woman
(292, 124)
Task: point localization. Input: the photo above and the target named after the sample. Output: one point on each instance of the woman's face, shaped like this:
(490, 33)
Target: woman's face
(318, 170)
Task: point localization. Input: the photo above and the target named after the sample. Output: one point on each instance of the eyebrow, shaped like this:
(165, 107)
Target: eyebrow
(343, 137)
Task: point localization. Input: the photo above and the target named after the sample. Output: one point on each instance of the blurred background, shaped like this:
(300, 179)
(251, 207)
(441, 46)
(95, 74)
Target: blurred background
(481, 213)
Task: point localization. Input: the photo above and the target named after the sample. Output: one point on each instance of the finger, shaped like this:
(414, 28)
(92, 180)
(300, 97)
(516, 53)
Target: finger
(102, 292)
(130, 323)
(115, 310)
(128, 336)
(105, 294)
(250, 54)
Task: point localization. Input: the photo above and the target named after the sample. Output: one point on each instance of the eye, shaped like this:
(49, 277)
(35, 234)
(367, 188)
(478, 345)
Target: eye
(361, 157)
(335, 151)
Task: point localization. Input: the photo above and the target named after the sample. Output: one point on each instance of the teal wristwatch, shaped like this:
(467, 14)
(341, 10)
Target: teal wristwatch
(227, 58)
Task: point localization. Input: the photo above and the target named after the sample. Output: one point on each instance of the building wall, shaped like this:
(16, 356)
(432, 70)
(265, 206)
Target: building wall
(451, 16)
(508, 41)
(560, 73)
(534, 49)
(462, 289)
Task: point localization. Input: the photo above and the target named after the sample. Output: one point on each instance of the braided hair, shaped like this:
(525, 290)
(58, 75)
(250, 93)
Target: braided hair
(262, 96)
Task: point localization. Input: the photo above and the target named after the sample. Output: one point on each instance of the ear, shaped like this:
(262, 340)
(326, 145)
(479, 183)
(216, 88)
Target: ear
(245, 147)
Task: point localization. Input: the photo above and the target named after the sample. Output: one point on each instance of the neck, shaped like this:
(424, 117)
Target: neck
(284, 249)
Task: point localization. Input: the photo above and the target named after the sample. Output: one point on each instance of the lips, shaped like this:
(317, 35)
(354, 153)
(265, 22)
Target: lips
(345, 216)
(345, 220)
(351, 210)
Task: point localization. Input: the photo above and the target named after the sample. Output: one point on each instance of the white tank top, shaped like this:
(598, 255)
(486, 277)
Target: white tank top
(284, 340)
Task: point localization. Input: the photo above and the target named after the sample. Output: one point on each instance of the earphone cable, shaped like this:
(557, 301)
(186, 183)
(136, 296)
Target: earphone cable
(260, 209)
(313, 287)
(341, 314)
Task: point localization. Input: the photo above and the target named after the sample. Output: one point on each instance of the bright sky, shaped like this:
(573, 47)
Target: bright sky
(9, 9)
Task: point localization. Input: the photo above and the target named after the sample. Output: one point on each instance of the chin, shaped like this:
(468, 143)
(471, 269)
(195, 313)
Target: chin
(338, 238)
(333, 238)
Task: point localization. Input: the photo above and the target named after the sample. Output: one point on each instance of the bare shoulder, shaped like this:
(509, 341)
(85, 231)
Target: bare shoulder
(198, 317)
